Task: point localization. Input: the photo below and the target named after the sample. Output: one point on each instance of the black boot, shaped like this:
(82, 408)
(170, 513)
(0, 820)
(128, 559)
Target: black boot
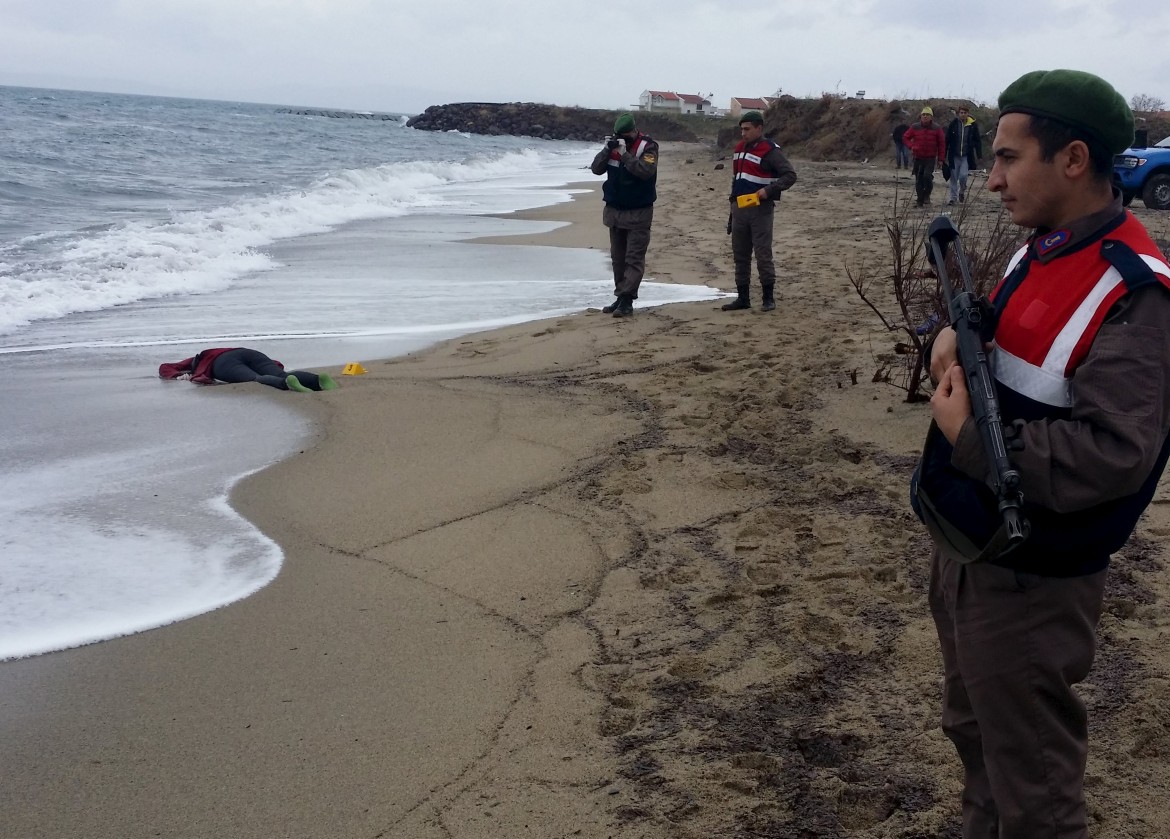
(612, 307)
(623, 306)
(769, 298)
(743, 301)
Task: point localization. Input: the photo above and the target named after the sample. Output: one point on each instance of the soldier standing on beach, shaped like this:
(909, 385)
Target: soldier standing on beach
(629, 162)
(1081, 368)
(760, 172)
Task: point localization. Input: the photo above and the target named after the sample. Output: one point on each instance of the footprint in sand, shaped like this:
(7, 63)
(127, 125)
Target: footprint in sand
(860, 807)
(616, 722)
(765, 573)
(731, 480)
(630, 484)
(821, 629)
(688, 668)
(830, 534)
(469, 349)
(755, 762)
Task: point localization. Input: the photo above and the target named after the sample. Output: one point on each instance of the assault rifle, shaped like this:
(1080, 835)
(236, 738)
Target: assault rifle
(970, 317)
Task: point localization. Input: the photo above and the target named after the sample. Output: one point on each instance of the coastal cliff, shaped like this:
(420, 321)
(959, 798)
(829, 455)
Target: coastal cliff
(824, 128)
(548, 122)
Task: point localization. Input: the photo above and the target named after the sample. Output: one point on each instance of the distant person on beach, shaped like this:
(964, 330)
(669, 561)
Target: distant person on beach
(240, 364)
(964, 148)
(759, 173)
(928, 145)
(1081, 366)
(901, 150)
(629, 162)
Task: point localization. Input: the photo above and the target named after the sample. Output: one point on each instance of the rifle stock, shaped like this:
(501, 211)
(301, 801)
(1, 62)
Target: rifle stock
(969, 317)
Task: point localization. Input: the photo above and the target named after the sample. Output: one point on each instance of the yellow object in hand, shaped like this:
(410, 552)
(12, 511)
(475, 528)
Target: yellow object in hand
(749, 200)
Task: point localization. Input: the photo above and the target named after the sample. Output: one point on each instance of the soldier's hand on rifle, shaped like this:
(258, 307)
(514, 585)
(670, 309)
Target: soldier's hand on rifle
(951, 403)
(943, 353)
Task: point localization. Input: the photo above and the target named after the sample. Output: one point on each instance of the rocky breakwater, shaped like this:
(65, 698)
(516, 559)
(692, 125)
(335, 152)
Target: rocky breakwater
(548, 122)
(332, 114)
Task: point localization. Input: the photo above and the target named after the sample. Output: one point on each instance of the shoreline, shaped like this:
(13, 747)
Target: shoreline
(649, 577)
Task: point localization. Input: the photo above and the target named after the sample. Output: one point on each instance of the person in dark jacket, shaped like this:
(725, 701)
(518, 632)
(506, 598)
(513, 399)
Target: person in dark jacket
(1081, 367)
(241, 364)
(964, 149)
(927, 144)
(901, 150)
(629, 162)
(760, 172)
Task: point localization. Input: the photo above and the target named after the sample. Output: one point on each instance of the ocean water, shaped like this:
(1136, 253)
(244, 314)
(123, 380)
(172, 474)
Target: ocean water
(136, 230)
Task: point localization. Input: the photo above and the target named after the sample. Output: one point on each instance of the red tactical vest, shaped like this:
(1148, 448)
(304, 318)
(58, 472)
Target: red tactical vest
(1049, 324)
(621, 189)
(748, 172)
(1045, 329)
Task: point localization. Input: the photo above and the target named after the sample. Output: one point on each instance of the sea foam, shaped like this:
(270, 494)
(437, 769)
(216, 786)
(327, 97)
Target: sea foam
(201, 251)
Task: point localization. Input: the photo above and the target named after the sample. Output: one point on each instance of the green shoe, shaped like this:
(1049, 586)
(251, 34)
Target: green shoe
(326, 381)
(295, 384)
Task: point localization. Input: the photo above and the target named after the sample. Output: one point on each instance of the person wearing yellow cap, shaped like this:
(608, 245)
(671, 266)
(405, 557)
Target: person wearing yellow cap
(927, 144)
(629, 161)
(1080, 360)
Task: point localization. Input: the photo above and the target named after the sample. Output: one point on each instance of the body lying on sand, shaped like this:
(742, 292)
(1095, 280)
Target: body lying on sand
(235, 365)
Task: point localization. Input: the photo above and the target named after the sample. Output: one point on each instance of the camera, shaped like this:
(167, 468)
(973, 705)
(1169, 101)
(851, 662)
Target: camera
(613, 142)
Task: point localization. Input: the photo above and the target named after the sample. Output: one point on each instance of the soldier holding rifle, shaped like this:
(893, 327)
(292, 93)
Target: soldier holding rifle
(1078, 345)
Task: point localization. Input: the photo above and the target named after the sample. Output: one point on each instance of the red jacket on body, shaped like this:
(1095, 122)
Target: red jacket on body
(198, 367)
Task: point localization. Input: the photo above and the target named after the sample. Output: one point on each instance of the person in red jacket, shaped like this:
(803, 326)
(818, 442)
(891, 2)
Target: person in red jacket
(241, 364)
(928, 145)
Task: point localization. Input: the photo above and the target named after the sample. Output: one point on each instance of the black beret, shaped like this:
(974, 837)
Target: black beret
(1077, 99)
(754, 117)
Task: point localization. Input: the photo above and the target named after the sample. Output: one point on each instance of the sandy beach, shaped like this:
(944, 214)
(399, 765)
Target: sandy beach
(654, 577)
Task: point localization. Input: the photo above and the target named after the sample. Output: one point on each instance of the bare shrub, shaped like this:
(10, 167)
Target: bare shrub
(877, 125)
(823, 145)
(1147, 102)
(906, 296)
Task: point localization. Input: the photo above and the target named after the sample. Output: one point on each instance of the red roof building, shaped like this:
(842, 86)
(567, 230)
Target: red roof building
(668, 100)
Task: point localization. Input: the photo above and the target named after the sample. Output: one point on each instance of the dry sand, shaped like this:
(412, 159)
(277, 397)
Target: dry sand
(653, 577)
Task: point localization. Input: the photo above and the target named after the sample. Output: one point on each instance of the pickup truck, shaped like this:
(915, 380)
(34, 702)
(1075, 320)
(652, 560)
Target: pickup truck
(1144, 171)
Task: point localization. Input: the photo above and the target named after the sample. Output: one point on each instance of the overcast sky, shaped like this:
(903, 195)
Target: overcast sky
(393, 55)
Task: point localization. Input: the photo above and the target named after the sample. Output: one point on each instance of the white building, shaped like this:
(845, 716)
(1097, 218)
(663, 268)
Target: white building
(679, 103)
(739, 104)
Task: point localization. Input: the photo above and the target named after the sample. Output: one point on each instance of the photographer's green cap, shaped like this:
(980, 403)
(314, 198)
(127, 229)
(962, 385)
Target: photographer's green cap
(754, 117)
(624, 124)
(1078, 99)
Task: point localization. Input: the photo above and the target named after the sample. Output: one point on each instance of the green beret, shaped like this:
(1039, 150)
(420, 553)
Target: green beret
(754, 117)
(1078, 99)
(624, 124)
